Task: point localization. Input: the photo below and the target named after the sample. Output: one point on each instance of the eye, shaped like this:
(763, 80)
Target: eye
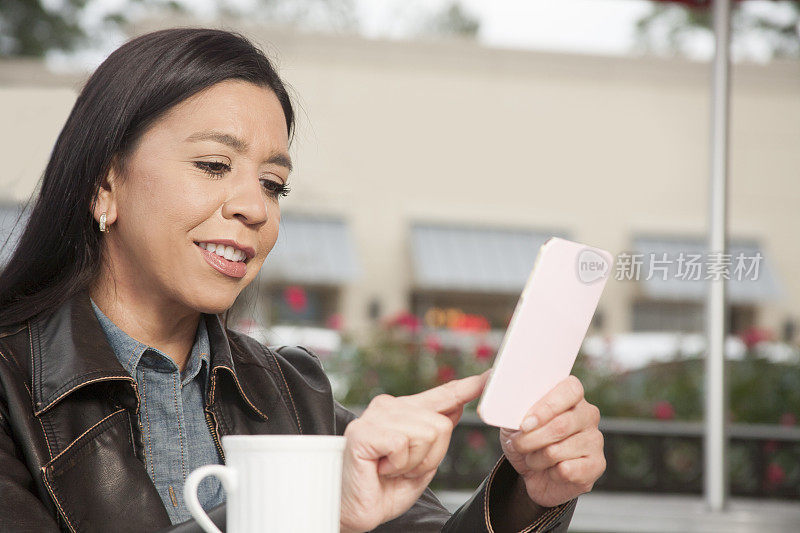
(213, 168)
(274, 188)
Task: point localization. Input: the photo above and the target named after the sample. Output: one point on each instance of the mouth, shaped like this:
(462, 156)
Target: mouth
(226, 256)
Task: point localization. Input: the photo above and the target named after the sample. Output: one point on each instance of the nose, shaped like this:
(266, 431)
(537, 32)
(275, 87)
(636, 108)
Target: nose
(246, 201)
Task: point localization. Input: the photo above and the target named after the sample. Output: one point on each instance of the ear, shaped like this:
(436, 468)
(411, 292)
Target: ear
(107, 194)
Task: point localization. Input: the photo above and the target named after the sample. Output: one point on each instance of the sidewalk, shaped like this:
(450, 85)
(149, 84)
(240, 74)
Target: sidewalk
(664, 513)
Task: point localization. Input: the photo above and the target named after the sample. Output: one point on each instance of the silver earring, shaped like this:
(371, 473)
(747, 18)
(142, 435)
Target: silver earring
(103, 227)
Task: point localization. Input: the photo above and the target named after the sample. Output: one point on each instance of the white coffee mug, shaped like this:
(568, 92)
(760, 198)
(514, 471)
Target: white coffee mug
(275, 483)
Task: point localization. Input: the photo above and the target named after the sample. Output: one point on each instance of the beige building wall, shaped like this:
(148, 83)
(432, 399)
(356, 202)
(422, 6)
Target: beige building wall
(602, 148)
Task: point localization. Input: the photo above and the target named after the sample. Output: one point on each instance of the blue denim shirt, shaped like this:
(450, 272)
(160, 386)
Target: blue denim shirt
(175, 434)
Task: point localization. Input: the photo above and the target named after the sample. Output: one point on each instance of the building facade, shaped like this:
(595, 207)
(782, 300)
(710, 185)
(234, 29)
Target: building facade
(428, 173)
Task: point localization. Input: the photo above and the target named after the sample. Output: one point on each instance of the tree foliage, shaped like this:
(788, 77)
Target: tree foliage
(672, 27)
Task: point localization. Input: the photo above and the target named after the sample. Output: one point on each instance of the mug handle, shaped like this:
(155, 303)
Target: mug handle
(228, 479)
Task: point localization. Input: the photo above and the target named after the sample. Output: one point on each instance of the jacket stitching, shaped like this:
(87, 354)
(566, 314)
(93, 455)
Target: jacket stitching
(25, 383)
(33, 365)
(555, 514)
(9, 333)
(46, 478)
(69, 386)
(83, 384)
(291, 398)
(14, 364)
(241, 391)
(218, 418)
(37, 385)
(547, 518)
(130, 430)
(79, 446)
(52, 492)
(486, 495)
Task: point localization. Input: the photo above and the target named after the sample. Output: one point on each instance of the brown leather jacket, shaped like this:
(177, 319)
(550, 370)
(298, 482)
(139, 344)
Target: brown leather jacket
(71, 454)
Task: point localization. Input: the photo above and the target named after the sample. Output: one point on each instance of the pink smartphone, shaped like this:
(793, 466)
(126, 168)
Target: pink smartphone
(546, 330)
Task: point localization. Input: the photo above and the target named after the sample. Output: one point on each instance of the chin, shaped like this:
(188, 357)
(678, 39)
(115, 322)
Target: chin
(214, 304)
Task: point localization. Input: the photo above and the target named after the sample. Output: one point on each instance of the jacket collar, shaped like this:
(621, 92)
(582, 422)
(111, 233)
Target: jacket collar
(69, 350)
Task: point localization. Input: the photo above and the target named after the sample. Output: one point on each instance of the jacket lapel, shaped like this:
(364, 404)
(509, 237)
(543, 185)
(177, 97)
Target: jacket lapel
(68, 351)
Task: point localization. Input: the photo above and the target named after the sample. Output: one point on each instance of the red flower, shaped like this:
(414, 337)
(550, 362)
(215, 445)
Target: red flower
(788, 419)
(663, 410)
(433, 344)
(476, 440)
(775, 474)
(295, 297)
(405, 320)
(334, 321)
(752, 336)
(484, 352)
(445, 373)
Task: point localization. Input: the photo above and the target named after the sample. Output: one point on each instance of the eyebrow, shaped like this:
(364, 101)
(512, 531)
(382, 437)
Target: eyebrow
(239, 145)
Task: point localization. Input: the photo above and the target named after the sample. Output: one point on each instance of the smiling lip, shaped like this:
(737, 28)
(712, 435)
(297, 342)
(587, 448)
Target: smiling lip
(248, 250)
(234, 269)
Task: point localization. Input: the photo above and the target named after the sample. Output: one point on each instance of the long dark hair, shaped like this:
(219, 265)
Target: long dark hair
(59, 252)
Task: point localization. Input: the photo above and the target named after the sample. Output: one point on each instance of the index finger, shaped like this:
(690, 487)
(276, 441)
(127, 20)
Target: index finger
(451, 395)
(564, 396)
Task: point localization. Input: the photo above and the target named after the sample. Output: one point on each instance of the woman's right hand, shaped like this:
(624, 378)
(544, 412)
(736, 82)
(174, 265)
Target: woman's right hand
(394, 448)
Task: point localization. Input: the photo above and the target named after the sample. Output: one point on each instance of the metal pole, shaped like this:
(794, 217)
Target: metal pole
(716, 474)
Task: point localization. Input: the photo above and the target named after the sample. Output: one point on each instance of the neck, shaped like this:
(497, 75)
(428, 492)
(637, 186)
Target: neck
(147, 317)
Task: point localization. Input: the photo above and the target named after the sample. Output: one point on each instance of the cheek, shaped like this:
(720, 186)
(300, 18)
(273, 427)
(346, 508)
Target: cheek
(164, 207)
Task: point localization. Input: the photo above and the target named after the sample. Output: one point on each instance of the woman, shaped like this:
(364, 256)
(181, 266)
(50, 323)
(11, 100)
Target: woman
(118, 376)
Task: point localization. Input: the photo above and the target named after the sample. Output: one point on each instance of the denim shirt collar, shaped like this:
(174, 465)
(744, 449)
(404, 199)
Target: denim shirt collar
(131, 352)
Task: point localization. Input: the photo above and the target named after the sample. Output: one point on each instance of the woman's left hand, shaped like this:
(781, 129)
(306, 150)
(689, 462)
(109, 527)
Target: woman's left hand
(561, 456)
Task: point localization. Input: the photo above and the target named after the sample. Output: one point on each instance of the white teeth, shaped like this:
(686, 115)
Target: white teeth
(228, 252)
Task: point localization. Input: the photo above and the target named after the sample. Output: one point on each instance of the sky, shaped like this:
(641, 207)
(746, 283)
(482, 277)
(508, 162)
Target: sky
(583, 26)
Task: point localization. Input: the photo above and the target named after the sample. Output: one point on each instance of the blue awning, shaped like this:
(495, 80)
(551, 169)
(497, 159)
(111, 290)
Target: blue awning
(311, 249)
(474, 259)
(671, 277)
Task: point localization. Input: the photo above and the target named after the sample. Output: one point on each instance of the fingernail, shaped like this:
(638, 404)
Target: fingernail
(529, 423)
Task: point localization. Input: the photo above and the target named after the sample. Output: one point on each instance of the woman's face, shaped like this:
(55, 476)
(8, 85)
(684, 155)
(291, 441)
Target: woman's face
(206, 176)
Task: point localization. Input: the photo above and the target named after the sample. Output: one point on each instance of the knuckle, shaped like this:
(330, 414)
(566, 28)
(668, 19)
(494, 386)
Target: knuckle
(559, 427)
(353, 428)
(575, 386)
(551, 453)
(595, 413)
(444, 425)
(429, 463)
(381, 401)
(431, 434)
(564, 469)
(570, 473)
(549, 405)
(531, 460)
(601, 464)
(599, 439)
